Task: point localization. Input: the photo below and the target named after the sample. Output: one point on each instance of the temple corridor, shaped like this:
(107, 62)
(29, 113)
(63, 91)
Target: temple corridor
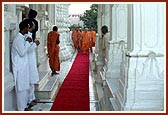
(127, 69)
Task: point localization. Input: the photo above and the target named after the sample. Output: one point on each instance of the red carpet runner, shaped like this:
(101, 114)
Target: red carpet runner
(74, 92)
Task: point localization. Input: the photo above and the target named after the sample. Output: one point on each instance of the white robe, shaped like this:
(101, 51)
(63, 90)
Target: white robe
(34, 76)
(20, 66)
(20, 63)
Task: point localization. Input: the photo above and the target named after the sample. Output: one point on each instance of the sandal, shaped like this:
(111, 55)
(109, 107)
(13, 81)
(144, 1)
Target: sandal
(36, 100)
(31, 104)
(28, 109)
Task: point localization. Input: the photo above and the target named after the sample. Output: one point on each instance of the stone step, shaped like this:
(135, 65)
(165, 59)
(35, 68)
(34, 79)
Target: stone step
(114, 104)
(49, 90)
(43, 78)
(113, 85)
(102, 75)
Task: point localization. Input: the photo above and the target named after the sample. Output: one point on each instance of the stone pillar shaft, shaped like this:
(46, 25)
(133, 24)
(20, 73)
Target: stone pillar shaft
(141, 84)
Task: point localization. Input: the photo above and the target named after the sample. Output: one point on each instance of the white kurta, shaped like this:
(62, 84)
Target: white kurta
(34, 76)
(20, 66)
(20, 62)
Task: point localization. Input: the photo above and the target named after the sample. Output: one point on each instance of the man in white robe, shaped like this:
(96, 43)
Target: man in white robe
(34, 76)
(20, 65)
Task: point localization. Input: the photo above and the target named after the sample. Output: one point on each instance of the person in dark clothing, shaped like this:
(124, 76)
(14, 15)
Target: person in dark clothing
(32, 15)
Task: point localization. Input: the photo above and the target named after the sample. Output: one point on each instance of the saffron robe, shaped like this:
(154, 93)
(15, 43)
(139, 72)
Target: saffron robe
(53, 50)
(79, 38)
(85, 42)
(93, 37)
(75, 38)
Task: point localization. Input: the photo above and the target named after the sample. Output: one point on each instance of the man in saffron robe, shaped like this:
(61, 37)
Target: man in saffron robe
(74, 38)
(53, 50)
(85, 41)
(93, 38)
(79, 39)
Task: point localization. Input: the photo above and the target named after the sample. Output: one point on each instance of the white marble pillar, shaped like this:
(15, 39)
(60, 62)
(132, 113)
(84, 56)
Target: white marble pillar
(106, 23)
(141, 84)
(106, 16)
(114, 47)
(99, 39)
(41, 35)
(50, 20)
(98, 54)
(9, 31)
(118, 42)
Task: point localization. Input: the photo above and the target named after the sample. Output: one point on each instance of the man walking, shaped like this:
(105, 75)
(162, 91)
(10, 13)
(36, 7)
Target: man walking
(53, 50)
(85, 41)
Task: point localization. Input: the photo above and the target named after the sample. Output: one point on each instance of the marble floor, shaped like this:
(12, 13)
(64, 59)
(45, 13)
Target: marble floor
(94, 104)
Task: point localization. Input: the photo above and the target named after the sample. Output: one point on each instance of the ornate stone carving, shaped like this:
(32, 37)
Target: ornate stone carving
(151, 69)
